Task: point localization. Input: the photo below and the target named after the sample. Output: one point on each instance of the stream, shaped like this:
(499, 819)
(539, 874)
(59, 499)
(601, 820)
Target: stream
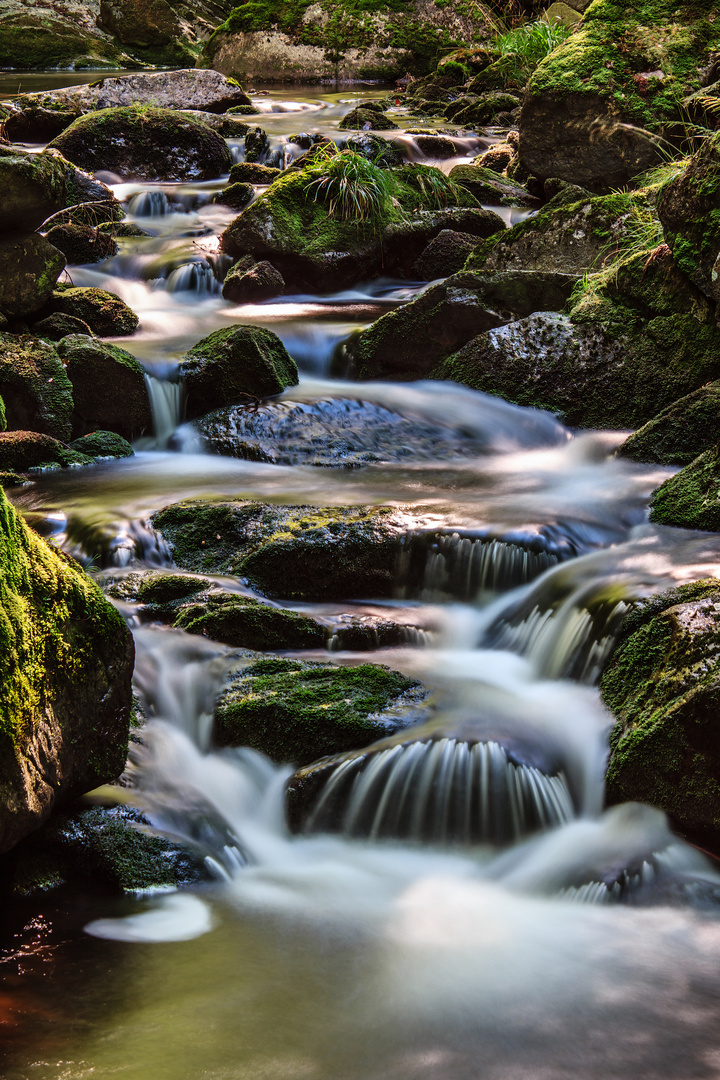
(392, 947)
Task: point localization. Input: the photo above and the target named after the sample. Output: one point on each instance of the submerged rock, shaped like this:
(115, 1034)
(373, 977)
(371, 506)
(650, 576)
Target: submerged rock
(104, 312)
(289, 552)
(66, 669)
(682, 431)
(34, 386)
(297, 712)
(145, 143)
(103, 375)
(235, 363)
(663, 685)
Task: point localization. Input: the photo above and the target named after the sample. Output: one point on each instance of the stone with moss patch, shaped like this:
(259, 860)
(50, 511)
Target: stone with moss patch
(253, 284)
(249, 172)
(145, 143)
(34, 187)
(291, 552)
(103, 444)
(690, 500)
(236, 196)
(490, 188)
(29, 269)
(104, 312)
(65, 664)
(298, 712)
(681, 432)
(103, 375)
(81, 244)
(34, 386)
(246, 623)
(56, 327)
(662, 685)
(44, 40)
(24, 450)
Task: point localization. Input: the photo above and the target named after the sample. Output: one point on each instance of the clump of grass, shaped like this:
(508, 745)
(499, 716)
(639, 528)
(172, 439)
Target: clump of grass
(434, 190)
(531, 43)
(352, 187)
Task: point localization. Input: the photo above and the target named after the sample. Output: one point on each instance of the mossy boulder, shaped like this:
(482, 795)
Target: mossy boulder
(298, 712)
(570, 237)
(145, 143)
(446, 254)
(662, 684)
(82, 244)
(250, 172)
(363, 119)
(236, 196)
(410, 341)
(490, 188)
(292, 552)
(103, 375)
(102, 444)
(681, 432)
(104, 312)
(592, 105)
(23, 450)
(66, 668)
(140, 22)
(29, 269)
(246, 285)
(246, 623)
(474, 112)
(34, 187)
(45, 40)
(293, 230)
(689, 209)
(232, 364)
(689, 500)
(56, 327)
(638, 337)
(34, 386)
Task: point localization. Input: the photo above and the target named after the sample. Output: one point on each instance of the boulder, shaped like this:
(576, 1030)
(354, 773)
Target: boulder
(298, 712)
(410, 341)
(290, 552)
(363, 119)
(23, 450)
(140, 22)
(260, 282)
(446, 254)
(82, 244)
(596, 106)
(250, 172)
(146, 143)
(491, 189)
(104, 312)
(680, 433)
(475, 112)
(246, 623)
(32, 40)
(236, 196)
(33, 187)
(29, 268)
(102, 445)
(257, 146)
(662, 684)
(689, 209)
(235, 363)
(103, 375)
(689, 500)
(66, 667)
(34, 386)
(55, 327)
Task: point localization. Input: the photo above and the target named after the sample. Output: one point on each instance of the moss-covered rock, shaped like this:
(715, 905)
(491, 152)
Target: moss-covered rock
(446, 254)
(249, 172)
(236, 196)
(103, 375)
(491, 189)
(66, 664)
(82, 244)
(689, 500)
(235, 363)
(29, 269)
(23, 450)
(689, 209)
(474, 112)
(245, 285)
(362, 119)
(623, 73)
(681, 432)
(410, 341)
(34, 187)
(663, 685)
(104, 312)
(295, 230)
(292, 552)
(102, 444)
(56, 327)
(145, 143)
(33, 40)
(246, 623)
(298, 712)
(140, 22)
(34, 386)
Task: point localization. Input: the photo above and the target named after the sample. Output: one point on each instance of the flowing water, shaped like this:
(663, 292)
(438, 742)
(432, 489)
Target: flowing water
(457, 904)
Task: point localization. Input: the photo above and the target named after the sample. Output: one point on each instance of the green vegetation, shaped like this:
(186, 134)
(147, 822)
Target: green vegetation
(527, 45)
(690, 500)
(350, 186)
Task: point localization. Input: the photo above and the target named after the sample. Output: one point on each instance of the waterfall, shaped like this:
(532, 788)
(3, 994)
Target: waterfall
(149, 204)
(196, 277)
(440, 791)
(166, 401)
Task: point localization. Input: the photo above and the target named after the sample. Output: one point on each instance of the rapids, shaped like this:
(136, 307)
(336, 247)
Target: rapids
(458, 904)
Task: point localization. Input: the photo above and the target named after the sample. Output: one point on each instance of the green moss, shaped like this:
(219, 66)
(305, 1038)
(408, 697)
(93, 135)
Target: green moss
(246, 623)
(681, 432)
(104, 312)
(31, 42)
(35, 387)
(103, 444)
(53, 623)
(298, 712)
(690, 500)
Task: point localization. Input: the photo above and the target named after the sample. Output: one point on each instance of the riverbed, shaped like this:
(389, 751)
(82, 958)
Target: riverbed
(346, 957)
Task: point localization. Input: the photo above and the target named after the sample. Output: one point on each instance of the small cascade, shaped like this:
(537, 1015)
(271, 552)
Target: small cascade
(440, 791)
(437, 566)
(166, 402)
(149, 204)
(104, 544)
(195, 277)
